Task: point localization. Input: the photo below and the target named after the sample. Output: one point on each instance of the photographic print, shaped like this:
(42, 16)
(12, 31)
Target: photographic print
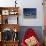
(30, 12)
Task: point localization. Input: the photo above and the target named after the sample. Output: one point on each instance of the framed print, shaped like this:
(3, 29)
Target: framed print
(5, 12)
(29, 12)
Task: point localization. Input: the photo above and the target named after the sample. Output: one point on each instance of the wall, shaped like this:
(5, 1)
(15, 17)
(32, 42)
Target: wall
(24, 4)
(32, 4)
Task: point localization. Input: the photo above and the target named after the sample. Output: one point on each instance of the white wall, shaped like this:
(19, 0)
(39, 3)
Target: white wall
(32, 4)
(24, 4)
(7, 3)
